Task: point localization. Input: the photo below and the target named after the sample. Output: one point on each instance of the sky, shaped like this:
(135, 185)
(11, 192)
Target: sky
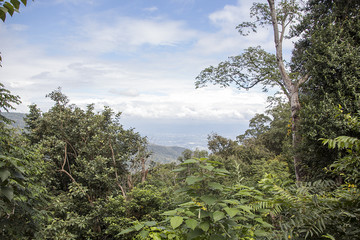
(139, 57)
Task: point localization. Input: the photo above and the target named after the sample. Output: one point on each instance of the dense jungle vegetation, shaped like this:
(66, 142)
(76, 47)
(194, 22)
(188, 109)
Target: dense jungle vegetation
(294, 174)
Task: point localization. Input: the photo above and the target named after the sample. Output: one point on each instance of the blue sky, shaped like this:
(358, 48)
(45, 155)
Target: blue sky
(139, 57)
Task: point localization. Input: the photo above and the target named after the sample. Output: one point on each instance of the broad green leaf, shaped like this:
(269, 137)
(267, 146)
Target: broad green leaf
(231, 201)
(150, 223)
(214, 162)
(194, 233)
(187, 204)
(218, 216)
(204, 214)
(24, 2)
(169, 213)
(128, 230)
(18, 175)
(139, 226)
(215, 186)
(204, 226)
(217, 237)
(189, 161)
(8, 192)
(192, 179)
(208, 199)
(16, 3)
(9, 7)
(156, 236)
(231, 211)
(179, 169)
(144, 234)
(176, 221)
(190, 214)
(3, 12)
(4, 174)
(191, 223)
(207, 167)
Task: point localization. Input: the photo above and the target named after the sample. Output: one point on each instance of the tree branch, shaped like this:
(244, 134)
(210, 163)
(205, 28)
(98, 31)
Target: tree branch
(115, 169)
(72, 178)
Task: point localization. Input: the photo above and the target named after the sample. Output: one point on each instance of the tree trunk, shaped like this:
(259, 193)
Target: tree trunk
(296, 138)
(292, 88)
(143, 170)
(115, 169)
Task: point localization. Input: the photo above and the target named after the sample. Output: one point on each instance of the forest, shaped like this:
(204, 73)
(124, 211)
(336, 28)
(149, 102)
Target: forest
(76, 173)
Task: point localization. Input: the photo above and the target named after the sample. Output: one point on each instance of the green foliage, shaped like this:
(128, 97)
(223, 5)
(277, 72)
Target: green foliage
(323, 208)
(7, 7)
(258, 67)
(213, 210)
(146, 202)
(188, 154)
(22, 190)
(287, 11)
(302, 211)
(329, 51)
(6, 102)
(254, 66)
(80, 175)
(92, 159)
(348, 166)
(272, 129)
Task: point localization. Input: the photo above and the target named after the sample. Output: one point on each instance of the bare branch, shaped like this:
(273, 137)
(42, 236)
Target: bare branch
(115, 169)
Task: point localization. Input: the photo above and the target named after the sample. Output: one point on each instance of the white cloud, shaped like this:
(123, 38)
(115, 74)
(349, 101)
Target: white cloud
(124, 34)
(231, 16)
(148, 84)
(151, 9)
(205, 104)
(227, 40)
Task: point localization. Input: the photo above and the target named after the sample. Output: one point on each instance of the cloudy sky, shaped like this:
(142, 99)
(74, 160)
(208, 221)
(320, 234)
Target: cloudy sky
(139, 57)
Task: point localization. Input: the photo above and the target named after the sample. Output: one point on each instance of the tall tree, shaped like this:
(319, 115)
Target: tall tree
(21, 184)
(329, 50)
(256, 66)
(89, 155)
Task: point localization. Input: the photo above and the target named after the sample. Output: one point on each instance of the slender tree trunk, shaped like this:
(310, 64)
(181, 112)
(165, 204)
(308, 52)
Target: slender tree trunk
(130, 182)
(144, 171)
(116, 174)
(296, 138)
(291, 86)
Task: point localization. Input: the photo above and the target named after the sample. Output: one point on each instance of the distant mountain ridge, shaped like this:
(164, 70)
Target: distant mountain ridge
(160, 154)
(165, 154)
(17, 117)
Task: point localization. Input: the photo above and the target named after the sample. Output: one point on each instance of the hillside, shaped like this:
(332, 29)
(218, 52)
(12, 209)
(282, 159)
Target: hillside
(18, 118)
(161, 154)
(164, 154)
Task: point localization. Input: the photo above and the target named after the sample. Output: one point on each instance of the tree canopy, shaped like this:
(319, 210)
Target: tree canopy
(77, 173)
